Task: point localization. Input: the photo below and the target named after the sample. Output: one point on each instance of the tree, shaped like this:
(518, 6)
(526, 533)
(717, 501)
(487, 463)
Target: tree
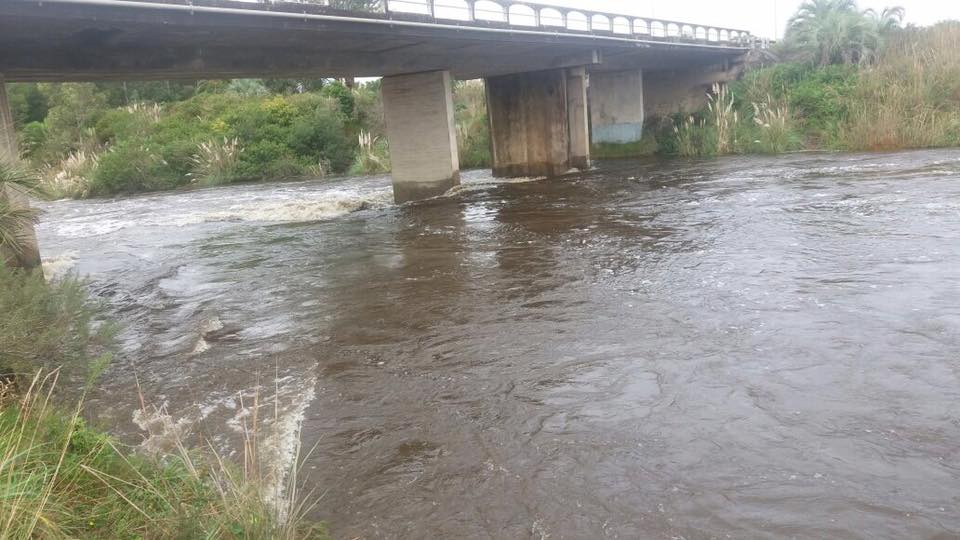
(825, 32)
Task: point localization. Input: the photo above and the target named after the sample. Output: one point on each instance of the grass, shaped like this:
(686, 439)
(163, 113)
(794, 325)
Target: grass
(61, 479)
(647, 146)
(911, 99)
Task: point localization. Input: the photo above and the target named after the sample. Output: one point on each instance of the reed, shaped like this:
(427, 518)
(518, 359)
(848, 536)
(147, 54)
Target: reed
(911, 97)
(216, 161)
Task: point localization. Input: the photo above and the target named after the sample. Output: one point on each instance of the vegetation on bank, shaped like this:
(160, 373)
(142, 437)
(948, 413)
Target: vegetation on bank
(102, 139)
(850, 81)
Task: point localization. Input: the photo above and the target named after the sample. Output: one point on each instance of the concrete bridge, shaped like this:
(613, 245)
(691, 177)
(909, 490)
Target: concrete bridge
(556, 78)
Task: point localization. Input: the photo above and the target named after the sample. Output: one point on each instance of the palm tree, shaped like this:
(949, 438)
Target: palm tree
(17, 239)
(887, 21)
(827, 32)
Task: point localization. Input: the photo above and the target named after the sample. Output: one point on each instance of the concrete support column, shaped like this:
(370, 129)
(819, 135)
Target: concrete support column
(531, 123)
(30, 258)
(578, 118)
(418, 109)
(616, 107)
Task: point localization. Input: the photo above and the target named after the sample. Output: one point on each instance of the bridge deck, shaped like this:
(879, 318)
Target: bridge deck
(57, 40)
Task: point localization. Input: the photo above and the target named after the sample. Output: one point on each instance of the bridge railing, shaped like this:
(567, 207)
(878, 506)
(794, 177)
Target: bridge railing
(521, 13)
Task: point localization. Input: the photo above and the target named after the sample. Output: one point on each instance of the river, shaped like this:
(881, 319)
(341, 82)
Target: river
(744, 347)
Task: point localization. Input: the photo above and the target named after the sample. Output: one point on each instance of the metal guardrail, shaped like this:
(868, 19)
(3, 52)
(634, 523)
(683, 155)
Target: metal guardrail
(552, 18)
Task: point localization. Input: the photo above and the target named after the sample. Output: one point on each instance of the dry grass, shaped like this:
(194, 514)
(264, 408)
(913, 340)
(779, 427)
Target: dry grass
(70, 177)
(911, 98)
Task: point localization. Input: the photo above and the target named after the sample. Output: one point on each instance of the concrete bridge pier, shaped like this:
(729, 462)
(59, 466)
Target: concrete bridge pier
(418, 109)
(30, 257)
(538, 122)
(616, 107)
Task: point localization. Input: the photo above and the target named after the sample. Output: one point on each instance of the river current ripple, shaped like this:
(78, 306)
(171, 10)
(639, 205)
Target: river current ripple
(730, 348)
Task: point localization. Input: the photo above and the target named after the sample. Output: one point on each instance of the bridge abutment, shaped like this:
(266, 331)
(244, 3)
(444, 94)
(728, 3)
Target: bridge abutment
(538, 122)
(616, 107)
(418, 109)
(30, 255)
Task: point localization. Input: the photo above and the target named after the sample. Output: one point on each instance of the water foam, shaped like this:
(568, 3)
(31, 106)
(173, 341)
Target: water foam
(58, 266)
(332, 204)
(277, 433)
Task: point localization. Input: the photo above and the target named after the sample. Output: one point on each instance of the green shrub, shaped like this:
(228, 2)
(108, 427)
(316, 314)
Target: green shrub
(33, 136)
(343, 96)
(132, 167)
(48, 325)
(267, 159)
(320, 134)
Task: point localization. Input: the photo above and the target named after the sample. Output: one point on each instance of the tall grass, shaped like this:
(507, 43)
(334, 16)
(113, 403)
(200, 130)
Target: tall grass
(69, 177)
(725, 119)
(775, 133)
(216, 161)
(911, 98)
(60, 479)
(373, 155)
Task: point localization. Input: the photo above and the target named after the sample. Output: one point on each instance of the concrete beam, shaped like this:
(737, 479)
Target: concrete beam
(30, 257)
(529, 130)
(616, 106)
(578, 118)
(418, 109)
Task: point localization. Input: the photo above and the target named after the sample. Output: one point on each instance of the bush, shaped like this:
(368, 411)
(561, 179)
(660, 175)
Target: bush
(49, 325)
(32, 137)
(132, 167)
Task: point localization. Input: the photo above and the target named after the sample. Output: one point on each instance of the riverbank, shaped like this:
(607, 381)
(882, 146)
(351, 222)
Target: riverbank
(64, 479)
(909, 98)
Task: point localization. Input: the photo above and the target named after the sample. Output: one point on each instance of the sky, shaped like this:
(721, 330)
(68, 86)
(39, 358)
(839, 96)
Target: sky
(764, 18)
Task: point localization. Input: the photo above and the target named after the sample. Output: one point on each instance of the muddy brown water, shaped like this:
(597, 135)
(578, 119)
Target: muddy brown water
(732, 348)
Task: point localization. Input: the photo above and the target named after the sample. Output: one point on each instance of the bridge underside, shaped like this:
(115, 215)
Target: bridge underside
(51, 41)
